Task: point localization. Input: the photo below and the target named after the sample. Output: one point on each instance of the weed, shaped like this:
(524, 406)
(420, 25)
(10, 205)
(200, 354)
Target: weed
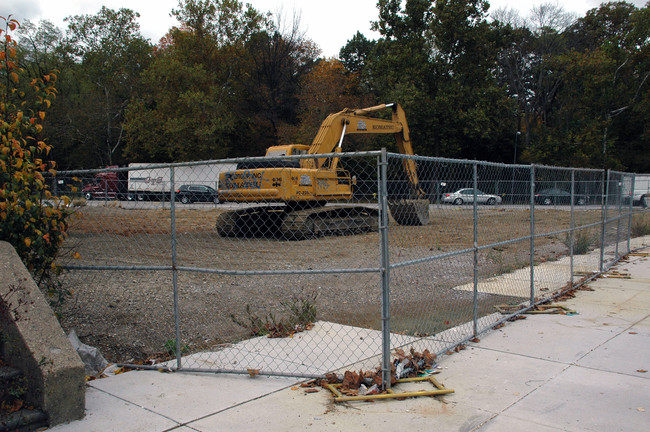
(300, 311)
(170, 347)
(18, 388)
(640, 227)
(255, 324)
(582, 242)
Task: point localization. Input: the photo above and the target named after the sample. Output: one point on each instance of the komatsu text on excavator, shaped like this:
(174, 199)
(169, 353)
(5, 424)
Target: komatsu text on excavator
(300, 189)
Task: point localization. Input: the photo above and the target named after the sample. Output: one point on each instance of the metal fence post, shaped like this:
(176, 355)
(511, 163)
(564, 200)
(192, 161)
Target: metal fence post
(603, 220)
(475, 218)
(619, 193)
(571, 232)
(384, 269)
(630, 210)
(172, 209)
(532, 235)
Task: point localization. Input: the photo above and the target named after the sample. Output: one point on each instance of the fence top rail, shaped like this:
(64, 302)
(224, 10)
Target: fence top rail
(231, 161)
(454, 161)
(486, 163)
(374, 153)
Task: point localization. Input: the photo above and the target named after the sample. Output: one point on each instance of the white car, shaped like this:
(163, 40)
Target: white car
(463, 196)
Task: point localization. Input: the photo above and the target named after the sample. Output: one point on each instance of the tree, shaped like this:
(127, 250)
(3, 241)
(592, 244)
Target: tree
(401, 70)
(473, 109)
(356, 52)
(33, 220)
(39, 49)
(278, 59)
(106, 54)
(326, 89)
(191, 108)
(526, 67)
(607, 80)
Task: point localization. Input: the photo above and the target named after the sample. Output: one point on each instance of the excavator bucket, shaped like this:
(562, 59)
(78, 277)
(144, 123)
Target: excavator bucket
(410, 211)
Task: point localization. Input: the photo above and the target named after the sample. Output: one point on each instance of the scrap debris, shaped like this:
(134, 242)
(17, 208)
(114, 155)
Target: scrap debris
(538, 309)
(551, 309)
(616, 275)
(366, 385)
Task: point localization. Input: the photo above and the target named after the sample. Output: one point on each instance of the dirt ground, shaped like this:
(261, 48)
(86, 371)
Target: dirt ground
(226, 282)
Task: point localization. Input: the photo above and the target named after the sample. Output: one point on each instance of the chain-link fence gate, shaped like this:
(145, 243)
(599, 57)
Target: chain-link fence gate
(163, 273)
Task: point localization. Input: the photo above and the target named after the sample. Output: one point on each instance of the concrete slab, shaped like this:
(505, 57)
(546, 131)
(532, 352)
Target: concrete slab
(558, 338)
(549, 276)
(583, 399)
(504, 422)
(498, 379)
(187, 396)
(297, 410)
(628, 303)
(324, 348)
(104, 413)
(626, 353)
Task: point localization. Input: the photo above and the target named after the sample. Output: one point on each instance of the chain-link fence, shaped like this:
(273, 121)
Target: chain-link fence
(203, 267)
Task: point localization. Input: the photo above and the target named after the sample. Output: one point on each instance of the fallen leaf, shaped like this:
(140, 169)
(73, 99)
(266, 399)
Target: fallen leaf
(311, 390)
(253, 372)
(640, 409)
(633, 333)
(295, 388)
(641, 370)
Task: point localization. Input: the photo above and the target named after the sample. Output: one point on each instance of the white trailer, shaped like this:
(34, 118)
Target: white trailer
(147, 183)
(641, 188)
(639, 191)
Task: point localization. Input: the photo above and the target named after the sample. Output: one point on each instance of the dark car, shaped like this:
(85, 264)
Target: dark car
(555, 196)
(196, 193)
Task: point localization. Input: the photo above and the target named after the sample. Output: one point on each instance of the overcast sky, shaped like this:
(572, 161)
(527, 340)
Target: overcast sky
(330, 24)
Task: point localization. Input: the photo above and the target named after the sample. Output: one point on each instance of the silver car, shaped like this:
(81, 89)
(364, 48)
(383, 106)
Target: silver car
(463, 196)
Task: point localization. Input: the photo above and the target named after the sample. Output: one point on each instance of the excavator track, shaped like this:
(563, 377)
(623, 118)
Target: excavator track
(296, 224)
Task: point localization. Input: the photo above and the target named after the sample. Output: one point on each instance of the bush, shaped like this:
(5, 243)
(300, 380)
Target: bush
(32, 219)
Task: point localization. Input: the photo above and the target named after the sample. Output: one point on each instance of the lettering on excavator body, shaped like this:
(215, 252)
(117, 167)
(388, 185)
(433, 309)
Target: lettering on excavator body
(322, 184)
(243, 180)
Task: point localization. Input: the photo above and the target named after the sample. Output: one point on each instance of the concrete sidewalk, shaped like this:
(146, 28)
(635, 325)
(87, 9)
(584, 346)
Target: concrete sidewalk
(584, 372)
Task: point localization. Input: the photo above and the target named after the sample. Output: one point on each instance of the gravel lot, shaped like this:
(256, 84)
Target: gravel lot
(129, 314)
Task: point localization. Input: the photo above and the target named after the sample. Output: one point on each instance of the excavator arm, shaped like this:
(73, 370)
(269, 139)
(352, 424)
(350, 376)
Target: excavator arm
(336, 126)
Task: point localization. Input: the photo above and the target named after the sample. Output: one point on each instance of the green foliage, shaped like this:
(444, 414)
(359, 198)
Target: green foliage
(105, 55)
(356, 53)
(170, 347)
(33, 220)
(191, 104)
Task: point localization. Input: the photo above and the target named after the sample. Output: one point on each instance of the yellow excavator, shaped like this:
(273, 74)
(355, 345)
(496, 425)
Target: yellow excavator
(297, 191)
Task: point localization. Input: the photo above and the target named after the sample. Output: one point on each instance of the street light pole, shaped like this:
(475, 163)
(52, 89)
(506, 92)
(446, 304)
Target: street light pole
(516, 142)
(512, 189)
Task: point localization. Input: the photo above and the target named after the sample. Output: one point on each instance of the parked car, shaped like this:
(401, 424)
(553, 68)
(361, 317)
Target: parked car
(463, 196)
(555, 196)
(196, 193)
